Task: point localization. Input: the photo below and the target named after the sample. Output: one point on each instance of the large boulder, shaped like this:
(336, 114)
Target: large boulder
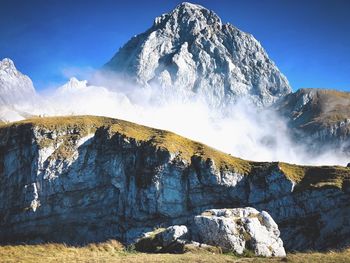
(240, 229)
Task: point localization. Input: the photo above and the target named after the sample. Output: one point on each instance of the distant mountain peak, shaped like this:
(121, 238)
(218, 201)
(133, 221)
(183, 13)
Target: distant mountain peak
(187, 9)
(14, 86)
(190, 50)
(7, 64)
(189, 6)
(73, 85)
(16, 91)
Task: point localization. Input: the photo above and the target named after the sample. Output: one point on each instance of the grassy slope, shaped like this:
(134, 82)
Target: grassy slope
(305, 176)
(326, 108)
(316, 176)
(335, 106)
(112, 251)
(185, 148)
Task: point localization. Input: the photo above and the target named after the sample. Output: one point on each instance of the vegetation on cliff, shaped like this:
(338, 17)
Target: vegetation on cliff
(72, 128)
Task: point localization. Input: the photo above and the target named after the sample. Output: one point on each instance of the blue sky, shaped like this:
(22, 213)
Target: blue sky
(308, 39)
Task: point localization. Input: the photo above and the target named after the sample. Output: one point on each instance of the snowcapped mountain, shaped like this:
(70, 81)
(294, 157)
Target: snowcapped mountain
(14, 86)
(77, 97)
(17, 93)
(73, 85)
(191, 50)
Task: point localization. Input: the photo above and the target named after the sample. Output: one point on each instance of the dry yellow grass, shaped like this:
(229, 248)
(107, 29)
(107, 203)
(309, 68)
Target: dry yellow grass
(176, 144)
(113, 251)
(305, 176)
(316, 176)
(329, 107)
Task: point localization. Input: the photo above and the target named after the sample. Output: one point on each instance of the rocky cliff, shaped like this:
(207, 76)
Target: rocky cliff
(191, 51)
(81, 179)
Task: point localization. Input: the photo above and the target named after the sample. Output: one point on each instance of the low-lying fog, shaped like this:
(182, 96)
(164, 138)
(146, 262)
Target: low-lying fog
(243, 130)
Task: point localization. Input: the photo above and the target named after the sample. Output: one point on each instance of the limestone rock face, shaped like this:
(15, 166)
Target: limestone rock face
(81, 179)
(191, 51)
(239, 229)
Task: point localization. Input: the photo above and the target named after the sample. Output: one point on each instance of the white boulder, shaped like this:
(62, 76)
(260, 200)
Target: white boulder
(240, 229)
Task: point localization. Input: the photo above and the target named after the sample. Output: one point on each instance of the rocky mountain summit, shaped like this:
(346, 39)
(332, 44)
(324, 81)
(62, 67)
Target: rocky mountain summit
(81, 179)
(190, 50)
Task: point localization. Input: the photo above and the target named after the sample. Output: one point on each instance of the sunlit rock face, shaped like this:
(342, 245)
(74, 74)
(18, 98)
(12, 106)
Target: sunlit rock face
(191, 51)
(88, 180)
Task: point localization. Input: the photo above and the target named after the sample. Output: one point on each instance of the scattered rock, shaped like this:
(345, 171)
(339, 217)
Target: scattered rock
(240, 229)
(172, 234)
(170, 240)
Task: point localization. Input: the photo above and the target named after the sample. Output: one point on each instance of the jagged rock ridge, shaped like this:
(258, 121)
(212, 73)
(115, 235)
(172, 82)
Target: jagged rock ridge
(191, 50)
(66, 179)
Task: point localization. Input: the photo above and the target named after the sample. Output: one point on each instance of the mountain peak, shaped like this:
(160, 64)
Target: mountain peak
(73, 85)
(7, 64)
(189, 8)
(189, 50)
(187, 16)
(189, 5)
(15, 87)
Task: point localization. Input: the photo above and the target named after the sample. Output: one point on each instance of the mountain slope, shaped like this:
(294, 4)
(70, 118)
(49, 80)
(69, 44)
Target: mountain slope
(322, 115)
(191, 50)
(66, 179)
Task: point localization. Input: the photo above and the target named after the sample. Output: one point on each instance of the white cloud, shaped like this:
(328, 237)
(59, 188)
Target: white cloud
(242, 130)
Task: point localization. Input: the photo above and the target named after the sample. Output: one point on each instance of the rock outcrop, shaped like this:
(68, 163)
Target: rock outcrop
(81, 179)
(240, 229)
(191, 51)
(235, 230)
